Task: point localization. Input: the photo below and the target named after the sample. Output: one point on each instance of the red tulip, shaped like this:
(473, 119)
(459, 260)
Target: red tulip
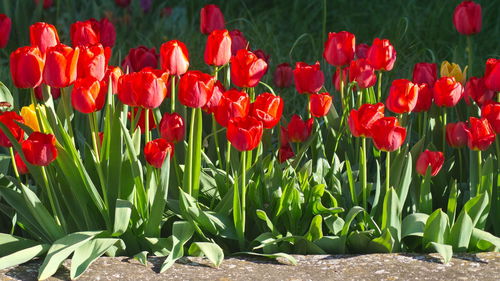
(262, 55)
(21, 166)
(456, 134)
(211, 18)
(362, 50)
(425, 72)
(467, 18)
(174, 57)
(141, 123)
(46, 3)
(476, 90)
(84, 33)
(285, 152)
(5, 27)
(10, 119)
(156, 151)
(54, 92)
(40, 149)
(107, 33)
(492, 75)
(447, 91)
(113, 74)
(319, 104)
(195, 88)
(299, 130)
(123, 3)
(284, 136)
(387, 134)
(491, 111)
(308, 78)
(247, 69)
(340, 48)
(233, 104)
(424, 100)
(172, 127)
(92, 62)
(142, 89)
(244, 134)
(403, 96)
(212, 104)
(361, 121)
(480, 134)
(336, 78)
(268, 109)
(43, 36)
(363, 73)
(139, 58)
(283, 75)
(238, 41)
(434, 159)
(87, 95)
(381, 55)
(60, 66)
(218, 48)
(26, 67)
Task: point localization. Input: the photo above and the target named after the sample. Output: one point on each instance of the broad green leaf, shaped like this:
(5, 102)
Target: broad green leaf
(382, 244)
(334, 224)
(22, 255)
(263, 216)
(331, 244)
(182, 231)
(212, 251)
(357, 241)
(414, 225)
(87, 253)
(153, 226)
(475, 207)
(391, 218)
(288, 257)
(436, 228)
(6, 96)
(425, 201)
(452, 201)
(404, 184)
(461, 232)
(446, 251)
(349, 218)
(142, 257)
(483, 241)
(315, 229)
(123, 211)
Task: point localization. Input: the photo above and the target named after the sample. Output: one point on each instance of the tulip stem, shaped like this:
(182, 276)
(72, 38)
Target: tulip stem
(228, 161)
(172, 95)
(146, 126)
(341, 84)
(228, 77)
(14, 166)
(444, 129)
(216, 140)
(379, 86)
(66, 111)
(53, 204)
(479, 176)
(387, 171)
(364, 172)
(243, 199)
(470, 54)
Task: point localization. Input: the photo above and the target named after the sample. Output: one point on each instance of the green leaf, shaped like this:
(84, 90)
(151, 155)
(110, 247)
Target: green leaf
(182, 231)
(383, 244)
(483, 241)
(452, 201)
(446, 251)
(6, 96)
(414, 225)
(461, 232)
(153, 226)
(349, 218)
(404, 184)
(212, 251)
(315, 229)
(122, 216)
(437, 228)
(22, 255)
(331, 244)
(425, 200)
(142, 257)
(288, 257)
(475, 206)
(391, 218)
(263, 216)
(87, 253)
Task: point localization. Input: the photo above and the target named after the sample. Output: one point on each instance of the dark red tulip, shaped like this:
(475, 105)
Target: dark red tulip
(84, 33)
(166, 12)
(268, 109)
(403, 96)
(43, 36)
(244, 134)
(319, 104)
(10, 119)
(195, 88)
(476, 90)
(172, 127)
(480, 134)
(87, 95)
(60, 66)
(283, 75)
(491, 111)
(447, 91)
(123, 3)
(139, 58)
(387, 134)
(142, 89)
(107, 33)
(262, 55)
(298, 129)
(113, 74)
(92, 62)
(492, 75)
(308, 78)
(5, 27)
(156, 151)
(456, 134)
(363, 73)
(467, 18)
(174, 57)
(141, 123)
(425, 72)
(212, 104)
(381, 55)
(26, 67)
(21, 166)
(336, 78)
(425, 97)
(360, 121)
(434, 159)
(54, 92)
(339, 48)
(233, 104)
(238, 41)
(247, 69)
(40, 149)
(362, 50)
(285, 152)
(218, 48)
(284, 136)
(46, 3)
(211, 18)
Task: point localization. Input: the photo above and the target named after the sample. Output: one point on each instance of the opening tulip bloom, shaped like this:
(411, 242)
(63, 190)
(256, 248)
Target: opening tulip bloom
(339, 48)
(21, 166)
(381, 55)
(139, 58)
(425, 72)
(84, 33)
(319, 104)
(244, 134)
(218, 48)
(238, 41)
(467, 18)
(453, 70)
(92, 62)
(362, 73)
(5, 28)
(142, 89)
(247, 69)
(113, 74)
(28, 114)
(447, 92)
(283, 75)
(211, 106)
(107, 33)
(87, 95)
(360, 121)
(172, 127)
(480, 134)
(336, 78)
(308, 78)
(156, 151)
(232, 105)
(403, 96)
(387, 134)
(40, 149)
(298, 129)
(492, 75)
(174, 57)
(195, 88)
(434, 159)
(43, 36)
(60, 66)
(425, 97)
(456, 134)
(211, 18)
(26, 67)
(268, 109)
(10, 119)
(491, 112)
(362, 50)
(476, 90)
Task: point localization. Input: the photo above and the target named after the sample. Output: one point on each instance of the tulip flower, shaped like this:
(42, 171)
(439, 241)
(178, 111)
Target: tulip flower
(336, 78)
(233, 104)
(174, 57)
(54, 92)
(20, 165)
(262, 55)
(156, 151)
(447, 92)
(268, 109)
(113, 73)
(146, 5)
(340, 48)
(492, 75)
(142, 89)
(434, 159)
(123, 3)
(247, 69)
(244, 134)
(218, 48)
(46, 3)
(381, 55)
(319, 104)
(28, 114)
(298, 129)
(476, 90)
(403, 96)
(467, 18)
(172, 127)
(40, 149)
(283, 75)
(107, 33)
(60, 66)
(139, 58)
(456, 135)
(387, 134)
(43, 36)
(425, 97)
(87, 95)
(362, 50)
(211, 106)
(424, 72)
(453, 70)
(211, 18)
(26, 67)
(480, 134)
(195, 88)
(238, 41)
(308, 78)
(84, 33)
(285, 152)
(361, 120)
(362, 73)
(10, 119)
(5, 28)
(491, 111)
(141, 123)
(92, 62)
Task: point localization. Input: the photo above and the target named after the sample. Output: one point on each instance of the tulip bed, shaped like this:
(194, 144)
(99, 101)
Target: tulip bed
(156, 158)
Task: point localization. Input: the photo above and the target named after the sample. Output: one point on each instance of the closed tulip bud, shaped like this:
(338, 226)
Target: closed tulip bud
(247, 69)
(298, 129)
(360, 121)
(453, 70)
(425, 97)
(84, 33)
(92, 62)
(480, 134)
(363, 73)
(54, 92)
(244, 134)
(28, 114)
(40, 149)
(362, 50)
(218, 48)
(340, 48)
(10, 120)
(434, 159)
(283, 75)
(141, 122)
(21, 166)
(424, 72)
(467, 18)
(172, 127)
(381, 55)
(123, 3)
(476, 90)
(491, 111)
(60, 66)
(233, 104)
(308, 78)
(139, 58)
(387, 134)
(285, 152)
(492, 75)
(43, 36)
(107, 33)
(156, 151)
(403, 96)
(113, 74)
(5, 28)
(174, 57)
(195, 88)
(447, 92)
(87, 96)
(211, 18)
(336, 78)
(211, 106)
(26, 67)
(268, 109)
(238, 41)
(126, 92)
(456, 135)
(319, 104)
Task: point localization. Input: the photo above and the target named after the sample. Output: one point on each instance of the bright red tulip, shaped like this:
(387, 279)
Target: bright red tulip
(425, 72)
(381, 55)
(85, 33)
(92, 62)
(233, 104)
(156, 151)
(142, 89)
(308, 78)
(387, 134)
(5, 27)
(113, 74)
(268, 109)
(54, 92)
(362, 50)
(87, 95)
(434, 159)
(363, 73)
(467, 18)
(26, 67)
(218, 48)
(403, 96)
(211, 18)
(247, 69)
(319, 104)
(107, 33)
(60, 66)
(141, 123)
(447, 91)
(491, 111)
(492, 75)
(21, 166)
(480, 134)
(211, 106)
(195, 88)
(172, 127)
(244, 134)
(336, 78)
(10, 120)
(238, 41)
(40, 149)
(139, 58)
(456, 135)
(360, 121)
(43, 36)
(285, 152)
(298, 129)
(476, 90)
(425, 97)
(283, 75)
(339, 48)
(174, 57)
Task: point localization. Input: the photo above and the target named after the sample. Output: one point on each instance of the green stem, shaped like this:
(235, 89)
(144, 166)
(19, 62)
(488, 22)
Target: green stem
(172, 95)
(147, 133)
(379, 86)
(66, 111)
(216, 139)
(387, 171)
(444, 129)
(479, 176)
(364, 185)
(228, 161)
(188, 171)
(14, 166)
(53, 204)
(341, 84)
(243, 196)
